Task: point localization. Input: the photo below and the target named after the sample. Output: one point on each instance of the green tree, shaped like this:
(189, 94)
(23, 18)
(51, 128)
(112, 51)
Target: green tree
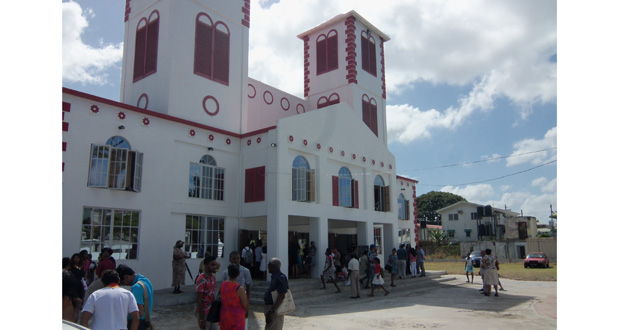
(429, 203)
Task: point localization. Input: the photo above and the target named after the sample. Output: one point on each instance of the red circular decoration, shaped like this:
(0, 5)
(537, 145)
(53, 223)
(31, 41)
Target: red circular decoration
(300, 108)
(146, 101)
(364, 159)
(381, 164)
(373, 162)
(268, 97)
(258, 140)
(249, 142)
(121, 115)
(305, 142)
(251, 91)
(390, 166)
(228, 141)
(192, 132)
(211, 137)
(402, 183)
(354, 156)
(94, 108)
(290, 138)
(146, 121)
(285, 104)
(318, 146)
(342, 153)
(331, 149)
(210, 112)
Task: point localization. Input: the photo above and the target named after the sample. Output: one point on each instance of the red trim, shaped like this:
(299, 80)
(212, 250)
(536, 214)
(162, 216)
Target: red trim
(335, 197)
(351, 57)
(217, 105)
(127, 9)
(406, 179)
(254, 89)
(65, 127)
(265, 97)
(64, 146)
(140, 99)
(245, 21)
(66, 106)
(356, 198)
(306, 65)
(288, 104)
(383, 70)
(303, 109)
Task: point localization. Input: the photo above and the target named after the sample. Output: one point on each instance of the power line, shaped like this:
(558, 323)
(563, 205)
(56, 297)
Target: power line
(501, 177)
(481, 161)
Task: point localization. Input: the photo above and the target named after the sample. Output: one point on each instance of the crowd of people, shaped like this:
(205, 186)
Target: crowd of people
(489, 272)
(92, 296)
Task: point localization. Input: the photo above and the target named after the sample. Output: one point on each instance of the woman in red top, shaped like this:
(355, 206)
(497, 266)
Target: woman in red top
(377, 279)
(235, 305)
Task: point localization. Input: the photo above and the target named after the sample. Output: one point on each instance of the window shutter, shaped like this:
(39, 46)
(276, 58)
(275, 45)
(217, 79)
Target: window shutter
(255, 184)
(219, 184)
(372, 58)
(99, 166)
(321, 56)
(365, 64)
(356, 197)
(387, 198)
(260, 184)
(373, 118)
(152, 38)
(203, 49)
(332, 52)
(310, 185)
(135, 179)
(221, 50)
(117, 168)
(407, 210)
(140, 53)
(366, 113)
(335, 197)
(249, 186)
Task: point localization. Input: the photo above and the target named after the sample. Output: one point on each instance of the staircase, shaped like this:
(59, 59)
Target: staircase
(307, 292)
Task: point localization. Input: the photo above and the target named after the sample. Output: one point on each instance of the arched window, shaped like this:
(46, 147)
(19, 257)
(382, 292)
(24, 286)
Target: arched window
(345, 189)
(115, 166)
(327, 52)
(403, 208)
(369, 113)
(147, 37)
(324, 101)
(211, 49)
(369, 53)
(382, 195)
(206, 180)
(303, 180)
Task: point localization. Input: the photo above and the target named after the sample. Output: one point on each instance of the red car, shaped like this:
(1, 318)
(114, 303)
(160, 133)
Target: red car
(536, 259)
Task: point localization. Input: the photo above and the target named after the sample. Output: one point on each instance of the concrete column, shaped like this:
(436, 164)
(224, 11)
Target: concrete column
(319, 234)
(364, 233)
(390, 238)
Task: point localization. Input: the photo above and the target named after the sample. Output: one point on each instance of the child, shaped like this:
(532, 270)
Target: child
(377, 280)
(469, 268)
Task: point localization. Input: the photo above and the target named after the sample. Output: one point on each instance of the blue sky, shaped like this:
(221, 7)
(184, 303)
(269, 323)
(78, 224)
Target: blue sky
(467, 82)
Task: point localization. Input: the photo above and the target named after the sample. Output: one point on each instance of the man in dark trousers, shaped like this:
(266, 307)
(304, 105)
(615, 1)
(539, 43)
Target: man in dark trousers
(279, 283)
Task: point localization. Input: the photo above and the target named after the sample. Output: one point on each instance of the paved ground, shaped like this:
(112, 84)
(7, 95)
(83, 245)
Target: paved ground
(453, 304)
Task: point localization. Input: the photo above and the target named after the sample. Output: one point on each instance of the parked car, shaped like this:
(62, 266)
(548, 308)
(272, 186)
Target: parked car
(536, 259)
(476, 256)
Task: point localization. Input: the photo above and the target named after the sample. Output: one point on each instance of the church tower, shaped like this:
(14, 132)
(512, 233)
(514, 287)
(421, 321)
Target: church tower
(187, 59)
(344, 62)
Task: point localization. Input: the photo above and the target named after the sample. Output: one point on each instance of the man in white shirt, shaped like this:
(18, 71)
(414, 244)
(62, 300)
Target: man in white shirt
(110, 305)
(354, 276)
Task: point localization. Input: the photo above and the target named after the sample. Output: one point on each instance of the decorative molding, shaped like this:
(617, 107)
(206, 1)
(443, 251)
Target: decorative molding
(351, 54)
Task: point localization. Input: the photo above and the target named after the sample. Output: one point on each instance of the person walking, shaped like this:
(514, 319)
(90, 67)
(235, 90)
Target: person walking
(363, 261)
(110, 305)
(420, 260)
(413, 256)
(279, 283)
(377, 279)
(329, 272)
(354, 275)
(136, 281)
(401, 254)
(258, 253)
(408, 265)
(482, 269)
(178, 266)
(235, 304)
(371, 264)
(393, 263)
(491, 266)
(469, 268)
(244, 278)
(206, 286)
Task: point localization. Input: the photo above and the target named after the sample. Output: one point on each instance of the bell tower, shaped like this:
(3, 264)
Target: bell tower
(188, 59)
(344, 62)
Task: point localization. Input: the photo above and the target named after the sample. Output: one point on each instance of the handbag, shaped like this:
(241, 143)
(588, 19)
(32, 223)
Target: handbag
(214, 311)
(287, 305)
(147, 319)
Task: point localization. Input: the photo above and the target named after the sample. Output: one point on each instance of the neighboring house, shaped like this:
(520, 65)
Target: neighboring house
(470, 224)
(198, 151)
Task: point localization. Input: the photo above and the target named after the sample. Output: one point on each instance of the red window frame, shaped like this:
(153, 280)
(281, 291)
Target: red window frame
(324, 101)
(212, 49)
(327, 52)
(145, 54)
(369, 113)
(369, 54)
(255, 184)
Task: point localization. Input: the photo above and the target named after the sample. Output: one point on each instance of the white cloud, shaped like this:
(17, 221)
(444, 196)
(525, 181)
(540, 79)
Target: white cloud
(81, 62)
(472, 193)
(539, 181)
(525, 148)
(551, 187)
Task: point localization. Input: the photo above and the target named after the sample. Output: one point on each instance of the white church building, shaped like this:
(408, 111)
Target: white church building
(195, 150)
